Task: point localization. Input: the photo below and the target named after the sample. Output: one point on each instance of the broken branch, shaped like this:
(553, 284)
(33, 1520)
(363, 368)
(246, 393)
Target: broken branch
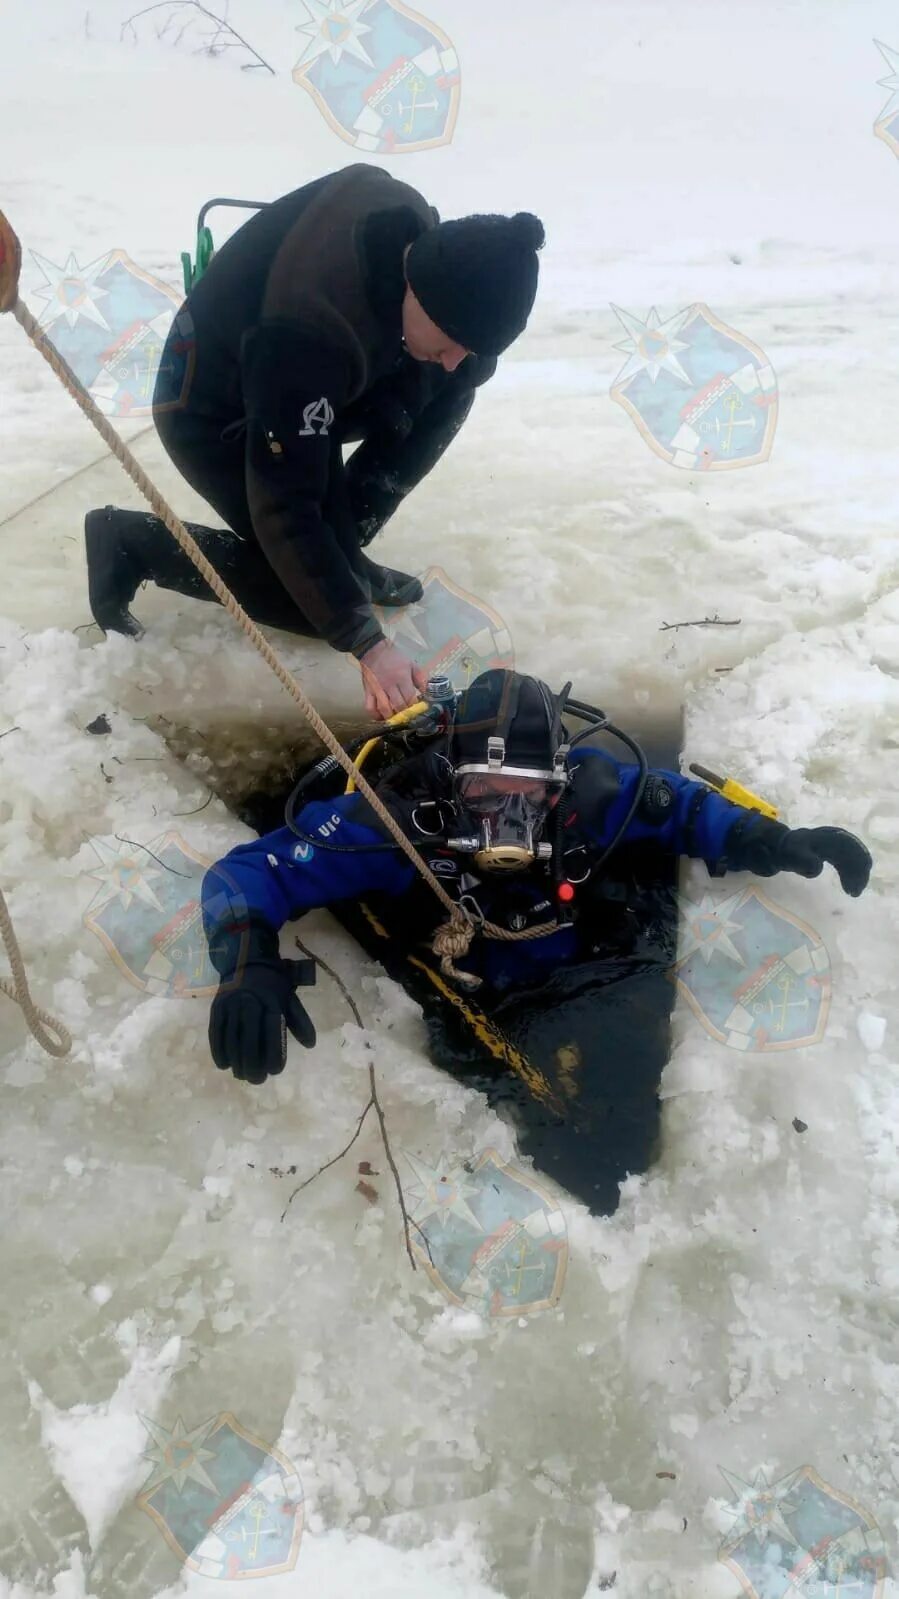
(373, 1100)
(135, 845)
(707, 621)
(221, 24)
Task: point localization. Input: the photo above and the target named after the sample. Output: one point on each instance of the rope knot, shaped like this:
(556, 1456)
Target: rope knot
(450, 943)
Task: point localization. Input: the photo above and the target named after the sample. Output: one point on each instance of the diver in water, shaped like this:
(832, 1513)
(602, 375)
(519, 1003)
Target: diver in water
(521, 822)
(345, 311)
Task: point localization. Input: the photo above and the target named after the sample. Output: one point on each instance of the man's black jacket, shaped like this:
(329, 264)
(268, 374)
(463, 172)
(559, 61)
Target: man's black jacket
(298, 329)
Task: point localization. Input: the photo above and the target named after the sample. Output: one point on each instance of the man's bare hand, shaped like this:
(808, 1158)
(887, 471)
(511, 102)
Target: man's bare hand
(391, 680)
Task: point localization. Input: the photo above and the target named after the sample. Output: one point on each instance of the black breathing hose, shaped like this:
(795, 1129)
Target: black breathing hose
(323, 769)
(600, 724)
(326, 768)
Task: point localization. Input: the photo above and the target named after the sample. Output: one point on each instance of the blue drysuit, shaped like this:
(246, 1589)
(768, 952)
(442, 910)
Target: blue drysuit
(278, 877)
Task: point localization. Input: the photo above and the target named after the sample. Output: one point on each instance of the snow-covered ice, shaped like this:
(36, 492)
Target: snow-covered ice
(738, 1312)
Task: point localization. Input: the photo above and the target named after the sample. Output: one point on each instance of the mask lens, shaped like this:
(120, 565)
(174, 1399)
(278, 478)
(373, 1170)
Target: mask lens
(485, 795)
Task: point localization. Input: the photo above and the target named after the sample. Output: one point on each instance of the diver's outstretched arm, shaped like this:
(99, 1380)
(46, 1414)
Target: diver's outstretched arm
(328, 854)
(694, 820)
(761, 845)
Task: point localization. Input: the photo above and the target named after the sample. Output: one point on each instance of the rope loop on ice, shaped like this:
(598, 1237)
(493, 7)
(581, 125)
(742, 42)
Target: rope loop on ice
(37, 1019)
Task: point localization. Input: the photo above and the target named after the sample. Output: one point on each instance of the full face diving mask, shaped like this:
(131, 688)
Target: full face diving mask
(506, 783)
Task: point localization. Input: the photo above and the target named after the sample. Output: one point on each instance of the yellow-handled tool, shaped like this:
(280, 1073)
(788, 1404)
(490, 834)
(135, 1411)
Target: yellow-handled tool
(735, 792)
(399, 719)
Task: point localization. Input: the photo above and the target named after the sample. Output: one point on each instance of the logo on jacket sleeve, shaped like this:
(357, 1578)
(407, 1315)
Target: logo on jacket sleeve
(317, 418)
(442, 866)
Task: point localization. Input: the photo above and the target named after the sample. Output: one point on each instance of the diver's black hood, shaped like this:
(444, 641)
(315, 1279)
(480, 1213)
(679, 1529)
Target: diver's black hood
(498, 704)
(521, 710)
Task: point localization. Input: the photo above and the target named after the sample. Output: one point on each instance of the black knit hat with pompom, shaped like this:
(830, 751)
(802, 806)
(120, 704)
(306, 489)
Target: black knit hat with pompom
(477, 278)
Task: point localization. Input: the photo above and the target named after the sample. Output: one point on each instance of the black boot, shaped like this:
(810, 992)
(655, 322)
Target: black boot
(127, 548)
(386, 585)
(113, 575)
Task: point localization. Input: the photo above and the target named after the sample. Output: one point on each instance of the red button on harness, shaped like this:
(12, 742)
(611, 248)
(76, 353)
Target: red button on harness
(565, 893)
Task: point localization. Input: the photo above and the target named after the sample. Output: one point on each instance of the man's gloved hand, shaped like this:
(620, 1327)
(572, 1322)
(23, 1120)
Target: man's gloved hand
(256, 1003)
(764, 847)
(391, 680)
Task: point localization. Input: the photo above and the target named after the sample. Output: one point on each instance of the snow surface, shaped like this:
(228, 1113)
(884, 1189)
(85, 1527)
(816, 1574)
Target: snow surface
(739, 1311)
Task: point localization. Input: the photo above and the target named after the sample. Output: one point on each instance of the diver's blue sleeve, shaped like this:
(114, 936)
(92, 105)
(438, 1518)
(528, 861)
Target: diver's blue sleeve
(282, 874)
(686, 816)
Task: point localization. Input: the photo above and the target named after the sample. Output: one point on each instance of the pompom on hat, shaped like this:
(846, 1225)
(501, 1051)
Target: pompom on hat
(476, 278)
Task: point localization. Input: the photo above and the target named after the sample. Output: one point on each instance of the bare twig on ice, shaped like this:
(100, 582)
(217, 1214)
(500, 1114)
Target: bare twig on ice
(221, 26)
(135, 845)
(328, 1163)
(373, 1100)
(707, 621)
(209, 797)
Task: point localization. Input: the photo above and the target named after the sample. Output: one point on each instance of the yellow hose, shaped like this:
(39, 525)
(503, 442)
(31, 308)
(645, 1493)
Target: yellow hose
(399, 719)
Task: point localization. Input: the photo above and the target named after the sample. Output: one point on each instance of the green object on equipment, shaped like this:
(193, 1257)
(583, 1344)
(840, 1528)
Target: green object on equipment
(205, 251)
(193, 270)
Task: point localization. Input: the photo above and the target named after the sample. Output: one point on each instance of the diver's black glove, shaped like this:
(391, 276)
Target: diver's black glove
(256, 1002)
(764, 847)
